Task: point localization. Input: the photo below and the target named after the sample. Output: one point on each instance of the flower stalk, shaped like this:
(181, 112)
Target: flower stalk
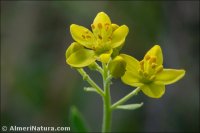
(127, 97)
(90, 81)
(107, 112)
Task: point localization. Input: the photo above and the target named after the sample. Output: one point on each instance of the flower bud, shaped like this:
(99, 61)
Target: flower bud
(92, 66)
(117, 67)
(105, 57)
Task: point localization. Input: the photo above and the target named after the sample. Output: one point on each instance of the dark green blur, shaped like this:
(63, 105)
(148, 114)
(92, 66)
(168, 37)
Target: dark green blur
(38, 87)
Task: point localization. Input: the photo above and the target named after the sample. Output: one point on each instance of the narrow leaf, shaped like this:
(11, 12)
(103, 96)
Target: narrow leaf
(130, 106)
(90, 89)
(77, 121)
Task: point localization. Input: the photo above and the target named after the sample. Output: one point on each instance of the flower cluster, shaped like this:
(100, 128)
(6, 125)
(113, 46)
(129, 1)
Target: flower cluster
(103, 41)
(97, 44)
(149, 73)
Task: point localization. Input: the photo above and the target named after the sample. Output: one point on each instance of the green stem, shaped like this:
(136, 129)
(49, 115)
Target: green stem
(124, 99)
(107, 112)
(98, 68)
(90, 81)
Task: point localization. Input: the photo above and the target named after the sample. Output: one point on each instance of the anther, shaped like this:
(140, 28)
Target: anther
(159, 69)
(153, 65)
(107, 26)
(142, 64)
(92, 26)
(153, 60)
(100, 37)
(99, 25)
(152, 77)
(147, 57)
(88, 36)
(83, 36)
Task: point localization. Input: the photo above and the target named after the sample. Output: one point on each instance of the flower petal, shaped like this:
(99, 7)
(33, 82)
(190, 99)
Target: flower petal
(73, 48)
(82, 35)
(102, 18)
(132, 79)
(169, 76)
(132, 64)
(81, 58)
(157, 52)
(114, 26)
(153, 90)
(119, 36)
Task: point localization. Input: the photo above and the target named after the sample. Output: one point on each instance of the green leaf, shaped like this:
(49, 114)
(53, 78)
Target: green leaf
(77, 121)
(130, 106)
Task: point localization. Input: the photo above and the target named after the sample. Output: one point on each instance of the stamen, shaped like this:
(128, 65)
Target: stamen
(153, 65)
(159, 69)
(99, 25)
(83, 36)
(152, 77)
(92, 25)
(147, 57)
(100, 37)
(152, 60)
(88, 36)
(107, 26)
(142, 64)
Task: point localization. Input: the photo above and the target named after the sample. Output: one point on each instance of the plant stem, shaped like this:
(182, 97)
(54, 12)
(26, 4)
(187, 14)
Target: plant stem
(107, 112)
(98, 68)
(124, 99)
(90, 81)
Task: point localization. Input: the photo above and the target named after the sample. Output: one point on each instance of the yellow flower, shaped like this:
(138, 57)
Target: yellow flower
(97, 44)
(149, 74)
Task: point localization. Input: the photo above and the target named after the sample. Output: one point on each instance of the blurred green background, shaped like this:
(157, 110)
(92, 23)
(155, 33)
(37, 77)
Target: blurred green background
(38, 88)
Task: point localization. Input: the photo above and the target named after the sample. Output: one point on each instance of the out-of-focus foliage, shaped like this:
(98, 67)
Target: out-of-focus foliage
(38, 88)
(77, 122)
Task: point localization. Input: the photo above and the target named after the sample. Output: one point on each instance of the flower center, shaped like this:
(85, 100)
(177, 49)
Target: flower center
(149, 68)
(102, 33)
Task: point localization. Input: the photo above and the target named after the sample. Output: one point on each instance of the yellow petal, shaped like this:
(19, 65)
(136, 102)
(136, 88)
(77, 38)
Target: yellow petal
(132, 79)
(81, 58)
(119, 36)
(153, 90)
(73, 48)
(82, 35)
(132, 64)
(114, 26)
(102, 18)
(157, 52)
(169, 76)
